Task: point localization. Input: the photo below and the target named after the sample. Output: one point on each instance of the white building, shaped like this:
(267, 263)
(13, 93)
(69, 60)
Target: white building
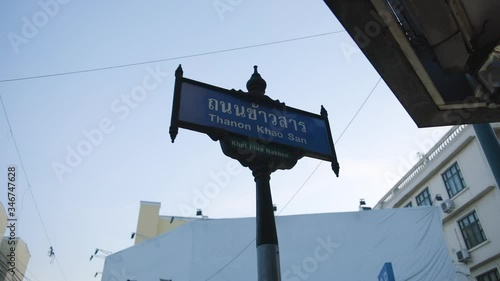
(352, 246)
(460, 174)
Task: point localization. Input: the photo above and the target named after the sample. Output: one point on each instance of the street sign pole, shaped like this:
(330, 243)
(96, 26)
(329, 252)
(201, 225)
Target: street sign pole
(266, 239)
(268, 263)
(262, 134)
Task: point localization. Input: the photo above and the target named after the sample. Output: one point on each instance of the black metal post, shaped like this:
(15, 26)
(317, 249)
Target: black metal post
(268, 263)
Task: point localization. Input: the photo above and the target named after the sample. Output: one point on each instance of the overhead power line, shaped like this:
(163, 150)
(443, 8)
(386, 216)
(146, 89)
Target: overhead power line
(338, 139)
(27, 180)
(28, 271)
(169, 59)
(17, 276)
(24, 170)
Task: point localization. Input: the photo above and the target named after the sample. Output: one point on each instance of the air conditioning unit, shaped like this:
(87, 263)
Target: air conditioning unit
(463, 256)
(448, 206)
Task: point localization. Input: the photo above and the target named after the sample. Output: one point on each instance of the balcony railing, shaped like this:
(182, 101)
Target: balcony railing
(426, 159)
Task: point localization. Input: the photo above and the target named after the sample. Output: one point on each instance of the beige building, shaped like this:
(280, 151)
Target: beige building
(150, 223)
(458, 176)
(14, 253)
(3, 219)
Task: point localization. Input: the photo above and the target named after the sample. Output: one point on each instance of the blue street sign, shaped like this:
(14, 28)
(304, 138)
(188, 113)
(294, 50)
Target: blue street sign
(386, 274)
(216, 111)
(210, 108)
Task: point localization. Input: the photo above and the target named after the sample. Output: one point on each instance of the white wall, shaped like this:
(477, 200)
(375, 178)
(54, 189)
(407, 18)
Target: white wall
(342, 246)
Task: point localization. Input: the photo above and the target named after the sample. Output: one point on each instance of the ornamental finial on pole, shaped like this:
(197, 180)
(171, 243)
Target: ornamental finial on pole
(256, 85)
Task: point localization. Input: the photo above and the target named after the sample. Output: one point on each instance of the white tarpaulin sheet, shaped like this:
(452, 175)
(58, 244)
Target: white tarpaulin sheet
(335, 247)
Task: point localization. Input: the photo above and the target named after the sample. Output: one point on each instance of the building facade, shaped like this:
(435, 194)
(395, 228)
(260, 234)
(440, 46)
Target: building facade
(460, 176)
(150, 223)
(3, 219)
(14, 253)
(321, 247)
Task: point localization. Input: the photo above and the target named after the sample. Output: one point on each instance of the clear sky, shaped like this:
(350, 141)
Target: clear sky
(91, 200)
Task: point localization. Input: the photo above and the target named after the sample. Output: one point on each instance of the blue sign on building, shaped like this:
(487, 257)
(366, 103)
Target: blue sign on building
(386, 274)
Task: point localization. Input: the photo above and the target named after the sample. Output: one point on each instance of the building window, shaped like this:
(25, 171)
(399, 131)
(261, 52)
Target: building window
(471, 229)
(453, 180)
(424, 198)
(491, 275)
(408, 205)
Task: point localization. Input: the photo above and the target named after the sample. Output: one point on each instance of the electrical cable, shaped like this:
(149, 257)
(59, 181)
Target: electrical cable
(338, 139)
(60, 269)
(15, 276)
(27, 270)
(27, 180)
(22, 167)
(163, 60)
(169, 59)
